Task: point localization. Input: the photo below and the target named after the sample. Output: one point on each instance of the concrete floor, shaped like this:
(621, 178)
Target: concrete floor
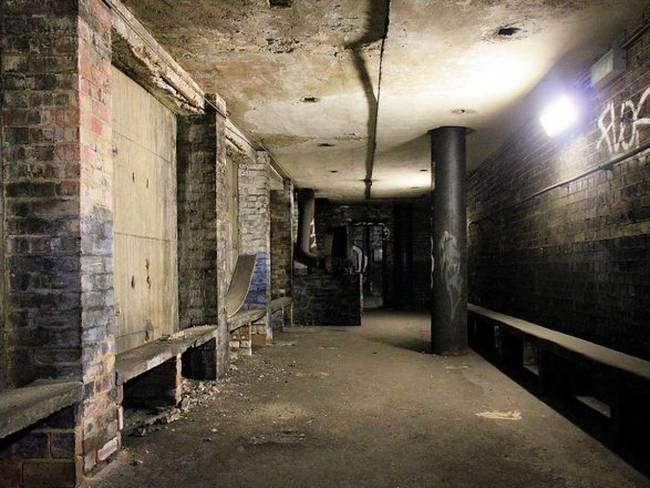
(352, 407)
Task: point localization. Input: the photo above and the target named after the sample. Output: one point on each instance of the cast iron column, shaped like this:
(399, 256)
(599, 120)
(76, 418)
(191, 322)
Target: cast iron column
(449, 241)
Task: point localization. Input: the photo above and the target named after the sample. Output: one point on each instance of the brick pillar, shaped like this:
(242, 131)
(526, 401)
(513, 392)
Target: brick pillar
(200, 362)
(255, 234)
(202, 252)
(57, 181)
(241, 342)
(196, 154)
(224, 199)
(281, 249)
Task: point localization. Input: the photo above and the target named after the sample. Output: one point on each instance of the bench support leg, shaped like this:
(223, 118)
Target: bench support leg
(629, 419)
(200, 363)
(241, 342)
(512, 351)
(44, 454)
(160, 387)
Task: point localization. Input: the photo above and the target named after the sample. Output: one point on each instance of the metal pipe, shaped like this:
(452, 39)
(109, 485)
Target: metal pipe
(306, 212)
(606, 166)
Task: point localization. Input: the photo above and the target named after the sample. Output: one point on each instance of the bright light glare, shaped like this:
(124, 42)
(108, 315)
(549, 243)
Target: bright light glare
(559, 116)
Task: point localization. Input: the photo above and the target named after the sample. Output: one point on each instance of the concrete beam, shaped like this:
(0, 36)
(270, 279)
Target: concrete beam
(138, 54)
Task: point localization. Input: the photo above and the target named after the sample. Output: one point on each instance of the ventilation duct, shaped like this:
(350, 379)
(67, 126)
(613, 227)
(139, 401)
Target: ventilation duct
(306, 211)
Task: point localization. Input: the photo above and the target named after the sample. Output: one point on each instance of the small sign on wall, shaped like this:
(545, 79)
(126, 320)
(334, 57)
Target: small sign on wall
(608, 68)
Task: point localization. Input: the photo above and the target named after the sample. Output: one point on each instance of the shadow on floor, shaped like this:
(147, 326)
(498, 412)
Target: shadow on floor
(395, 336)
(637, 456)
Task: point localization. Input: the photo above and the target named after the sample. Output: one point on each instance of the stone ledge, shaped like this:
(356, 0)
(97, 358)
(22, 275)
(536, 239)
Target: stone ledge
(22, 407)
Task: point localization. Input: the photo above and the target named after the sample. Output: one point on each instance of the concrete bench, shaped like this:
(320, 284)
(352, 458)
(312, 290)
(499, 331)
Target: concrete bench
(280, 305)
(244, 318)
(135, 362)
(569, 344)
(150, 375)
(599, 380)
(23, 407)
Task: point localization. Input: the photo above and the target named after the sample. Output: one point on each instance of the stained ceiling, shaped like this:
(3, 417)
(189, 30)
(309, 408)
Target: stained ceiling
(305, 79)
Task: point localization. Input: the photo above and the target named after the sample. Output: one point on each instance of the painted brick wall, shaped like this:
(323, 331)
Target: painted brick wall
(575, 258)
(281, 241)
(255, 227)
(99, 327)
(254, 222)
(57, 182)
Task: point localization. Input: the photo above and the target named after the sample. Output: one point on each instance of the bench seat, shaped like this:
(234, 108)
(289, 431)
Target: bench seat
(245, 317)
(25, 406)
(135, 362)
(594, 352)
(279, 303)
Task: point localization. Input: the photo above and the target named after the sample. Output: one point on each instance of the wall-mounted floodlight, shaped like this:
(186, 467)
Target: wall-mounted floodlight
(559, 116)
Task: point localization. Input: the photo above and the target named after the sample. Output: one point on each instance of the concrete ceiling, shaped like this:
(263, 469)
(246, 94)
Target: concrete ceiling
(304, 79)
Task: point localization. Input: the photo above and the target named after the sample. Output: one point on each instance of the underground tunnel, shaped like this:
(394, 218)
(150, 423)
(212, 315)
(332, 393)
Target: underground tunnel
(296, 243)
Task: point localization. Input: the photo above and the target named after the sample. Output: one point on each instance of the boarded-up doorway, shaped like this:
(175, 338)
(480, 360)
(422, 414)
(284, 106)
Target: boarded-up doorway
(144, 226)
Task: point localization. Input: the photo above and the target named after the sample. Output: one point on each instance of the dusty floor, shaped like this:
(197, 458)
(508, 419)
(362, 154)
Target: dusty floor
(352, 407)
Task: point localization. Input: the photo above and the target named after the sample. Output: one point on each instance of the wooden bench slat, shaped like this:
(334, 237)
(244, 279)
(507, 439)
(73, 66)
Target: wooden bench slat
(601, 354)
(134, 362)
(245, 317)
(25, 406)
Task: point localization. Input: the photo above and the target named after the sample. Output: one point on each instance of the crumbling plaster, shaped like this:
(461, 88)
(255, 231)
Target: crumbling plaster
(439, 56)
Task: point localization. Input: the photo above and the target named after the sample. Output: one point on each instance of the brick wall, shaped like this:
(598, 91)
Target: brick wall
(330, 215)
(575, 258)
(197, 218)
(41, 159)
(322, 298)
(281, 240)
(204, 216)
(57, 181)
(254, 226)
(98, 325)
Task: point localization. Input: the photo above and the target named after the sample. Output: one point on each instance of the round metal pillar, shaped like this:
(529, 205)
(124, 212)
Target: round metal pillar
(449, 241)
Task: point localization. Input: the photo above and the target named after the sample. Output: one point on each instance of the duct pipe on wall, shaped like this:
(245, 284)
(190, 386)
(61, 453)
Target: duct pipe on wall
(306, 211)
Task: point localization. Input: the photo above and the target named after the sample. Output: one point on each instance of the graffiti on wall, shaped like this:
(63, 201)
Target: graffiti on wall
(620, 126)
(450, 271)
